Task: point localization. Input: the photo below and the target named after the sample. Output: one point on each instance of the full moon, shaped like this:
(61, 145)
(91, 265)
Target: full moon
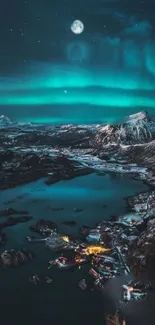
(77, 27)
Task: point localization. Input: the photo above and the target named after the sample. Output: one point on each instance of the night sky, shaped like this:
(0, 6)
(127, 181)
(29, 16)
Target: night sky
(49, 73)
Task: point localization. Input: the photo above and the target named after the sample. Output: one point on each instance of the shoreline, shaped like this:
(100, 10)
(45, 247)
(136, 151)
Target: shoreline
(33, 158)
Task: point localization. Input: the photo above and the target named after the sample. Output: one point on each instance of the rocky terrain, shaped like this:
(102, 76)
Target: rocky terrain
(43, 227)
(138, 128)
(114, 320)
(15, 258)
(29, 152)
(142, 253)
(132, 141)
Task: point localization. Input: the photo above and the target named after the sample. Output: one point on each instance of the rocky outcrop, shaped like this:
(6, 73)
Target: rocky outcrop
(139, 202)
(44, 227)
(114, 319)
(2, 238)
(15, 258)
(8, 212)
(142, 203)
(12, 221)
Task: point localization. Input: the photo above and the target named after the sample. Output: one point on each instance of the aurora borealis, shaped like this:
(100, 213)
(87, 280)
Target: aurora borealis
(103, 73)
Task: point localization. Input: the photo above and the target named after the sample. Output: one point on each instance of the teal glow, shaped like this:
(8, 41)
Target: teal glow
(123, 65)
(122, 79)
(61, 76)
(99, 97)
(74, 117)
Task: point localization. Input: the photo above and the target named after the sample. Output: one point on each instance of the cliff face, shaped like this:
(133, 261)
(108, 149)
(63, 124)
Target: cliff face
(142, 255)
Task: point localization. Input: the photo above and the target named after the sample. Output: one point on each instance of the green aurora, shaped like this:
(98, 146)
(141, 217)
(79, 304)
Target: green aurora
(123, 83)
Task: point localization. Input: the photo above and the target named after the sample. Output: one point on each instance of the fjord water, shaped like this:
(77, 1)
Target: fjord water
(61, 301)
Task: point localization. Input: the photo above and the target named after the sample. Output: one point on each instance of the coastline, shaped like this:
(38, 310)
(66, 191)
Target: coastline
(83, 150)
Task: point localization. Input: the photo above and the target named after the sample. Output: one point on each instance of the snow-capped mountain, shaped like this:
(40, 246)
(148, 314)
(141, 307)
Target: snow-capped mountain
(138, 128)
(4, 121)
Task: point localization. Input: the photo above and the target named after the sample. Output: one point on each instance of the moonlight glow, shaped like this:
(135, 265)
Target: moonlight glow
(77, 27)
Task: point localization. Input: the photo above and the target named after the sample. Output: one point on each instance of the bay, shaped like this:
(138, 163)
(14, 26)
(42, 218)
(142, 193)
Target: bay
(61, 301)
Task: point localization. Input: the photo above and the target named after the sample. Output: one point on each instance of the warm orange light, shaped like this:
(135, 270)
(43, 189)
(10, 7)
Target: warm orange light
(95, 250)
(65, 238)
(130, 289)
(78, 259)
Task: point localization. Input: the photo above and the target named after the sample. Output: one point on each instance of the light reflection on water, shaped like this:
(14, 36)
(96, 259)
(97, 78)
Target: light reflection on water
(62, 299)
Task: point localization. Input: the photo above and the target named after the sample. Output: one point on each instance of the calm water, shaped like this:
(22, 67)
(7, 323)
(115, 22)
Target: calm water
(61, 301)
